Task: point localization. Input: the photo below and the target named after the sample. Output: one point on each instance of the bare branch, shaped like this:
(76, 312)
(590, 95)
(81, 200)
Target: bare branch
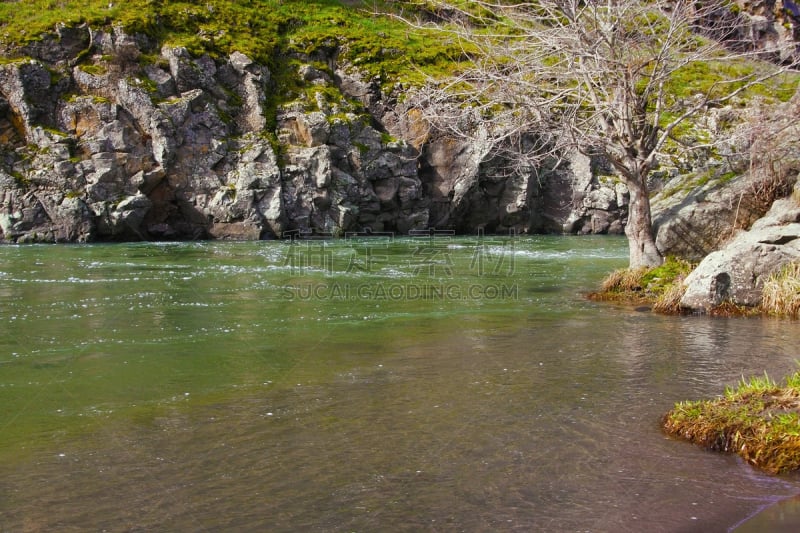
(560, 75)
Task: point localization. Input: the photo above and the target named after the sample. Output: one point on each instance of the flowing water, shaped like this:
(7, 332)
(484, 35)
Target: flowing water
(432, 383)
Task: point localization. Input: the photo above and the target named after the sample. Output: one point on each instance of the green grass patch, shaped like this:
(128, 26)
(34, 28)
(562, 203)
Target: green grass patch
(94, 70)
(759, 420)
(657, 280)
(715, 78)
(659, 286)
(382, 46)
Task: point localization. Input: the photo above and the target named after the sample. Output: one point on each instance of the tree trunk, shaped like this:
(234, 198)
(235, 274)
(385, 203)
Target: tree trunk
(639, 229)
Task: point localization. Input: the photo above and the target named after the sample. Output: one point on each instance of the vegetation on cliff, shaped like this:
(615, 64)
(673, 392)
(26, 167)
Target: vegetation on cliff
(262, 29)
(340, 58)
(759, 420)
(599, 78)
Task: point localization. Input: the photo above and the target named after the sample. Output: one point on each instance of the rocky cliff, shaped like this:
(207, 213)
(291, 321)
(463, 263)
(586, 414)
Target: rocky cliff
(108, 136)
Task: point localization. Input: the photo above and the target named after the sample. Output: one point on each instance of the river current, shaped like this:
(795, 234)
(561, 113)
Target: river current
(427, 383)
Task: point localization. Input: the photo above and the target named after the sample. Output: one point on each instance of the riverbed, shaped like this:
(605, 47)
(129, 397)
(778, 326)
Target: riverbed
(365, 383)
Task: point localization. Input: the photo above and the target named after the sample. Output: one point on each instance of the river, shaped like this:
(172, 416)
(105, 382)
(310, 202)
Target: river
(429, 383)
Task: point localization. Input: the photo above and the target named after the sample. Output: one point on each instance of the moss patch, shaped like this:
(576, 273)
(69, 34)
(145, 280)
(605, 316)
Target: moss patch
(759, 420)
(382, 46)
(711, 78)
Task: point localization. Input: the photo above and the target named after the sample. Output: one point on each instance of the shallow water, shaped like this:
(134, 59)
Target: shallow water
(436, 383)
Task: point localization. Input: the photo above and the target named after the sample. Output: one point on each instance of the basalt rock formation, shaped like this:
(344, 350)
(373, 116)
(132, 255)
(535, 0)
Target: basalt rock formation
(107, 136)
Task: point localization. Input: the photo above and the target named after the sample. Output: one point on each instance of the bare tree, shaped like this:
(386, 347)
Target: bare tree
(550, 76)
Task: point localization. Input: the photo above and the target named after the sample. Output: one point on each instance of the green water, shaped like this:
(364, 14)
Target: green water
(421, 383)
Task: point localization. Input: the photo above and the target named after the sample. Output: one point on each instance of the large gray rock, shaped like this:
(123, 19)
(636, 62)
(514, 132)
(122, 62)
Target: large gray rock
(737, 273)
(693, 221)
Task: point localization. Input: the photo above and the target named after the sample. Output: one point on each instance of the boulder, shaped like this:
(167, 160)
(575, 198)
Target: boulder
(693, 221)
(737, 272)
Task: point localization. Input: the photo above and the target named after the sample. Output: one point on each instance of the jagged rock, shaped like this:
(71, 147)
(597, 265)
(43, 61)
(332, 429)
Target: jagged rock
(96, 83)
(766, 25)
(249, 83)
(26, 87)
(590, 200)
(468, 193)
(85, 116)
(164, 84)
(189, 73)
(136, 101)
(28, 217)
(72, 221)
(65, 43)
(691, 222)
(250, 200)
(174, 149)
(123, 220)
(737, 272)
(304, 129)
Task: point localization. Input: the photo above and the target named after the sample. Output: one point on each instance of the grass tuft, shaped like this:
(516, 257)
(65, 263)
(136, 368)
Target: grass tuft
(759, 420)
(781, 292)
(660, 286)
(624, 280)
(669, 301)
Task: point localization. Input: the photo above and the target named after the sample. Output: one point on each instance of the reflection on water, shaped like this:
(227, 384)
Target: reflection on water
(783, 517)
(182, 387)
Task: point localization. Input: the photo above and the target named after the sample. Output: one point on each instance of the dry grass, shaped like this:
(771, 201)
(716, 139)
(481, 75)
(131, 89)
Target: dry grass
(730, 309)
(624, 280)
(623, 285)
(760, 421)
(669, 301)
(662, 286)
(781, 293)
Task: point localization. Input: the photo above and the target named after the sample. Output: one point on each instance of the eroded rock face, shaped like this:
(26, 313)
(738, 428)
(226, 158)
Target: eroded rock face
(114, 147)
(694, 224)
(737, 272)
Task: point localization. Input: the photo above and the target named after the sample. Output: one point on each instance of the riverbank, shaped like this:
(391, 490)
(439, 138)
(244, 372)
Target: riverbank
(662, 288)
(659, 288)
(759, 420)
